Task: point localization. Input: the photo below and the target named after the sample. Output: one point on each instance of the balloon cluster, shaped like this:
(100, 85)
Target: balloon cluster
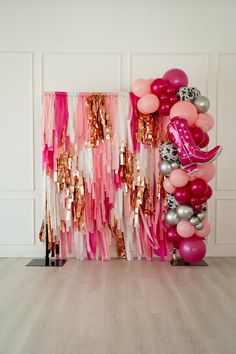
(186, 193)
(159, 94)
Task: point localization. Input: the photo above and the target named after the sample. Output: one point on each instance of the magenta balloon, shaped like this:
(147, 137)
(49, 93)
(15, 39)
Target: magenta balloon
(164, 97)
(173, 99)
(205, 141)
(158, 86)
(197, 208)
(164, 108)
(182, 195)
(170, 90)
(173, 236)
(208, 193)
(192, 249)
(198, 134)
(177, 78)
(198, 187)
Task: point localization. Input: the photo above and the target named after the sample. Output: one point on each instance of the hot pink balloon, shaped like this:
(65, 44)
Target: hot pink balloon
(205, 141)
(148, 103)
(169, 188)
(205, 231)
(192, 249)
(141, 87)
(182, 195)
(205, 122)
(198, 134)
(177, 78)
(184, 109)
(164, 109)
(173, 236)
(198, 187)
(208, 192)
(179, 178)
(158, 86)
(185, 229)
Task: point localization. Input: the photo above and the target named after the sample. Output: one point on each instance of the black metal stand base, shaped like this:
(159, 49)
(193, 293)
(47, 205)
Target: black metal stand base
(181, 262)
(42, 262)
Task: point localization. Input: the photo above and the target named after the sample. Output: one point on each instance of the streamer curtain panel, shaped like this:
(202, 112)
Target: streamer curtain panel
(102, 189)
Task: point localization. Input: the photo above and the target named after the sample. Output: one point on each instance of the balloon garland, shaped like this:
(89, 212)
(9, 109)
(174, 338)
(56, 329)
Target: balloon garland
(186, 168)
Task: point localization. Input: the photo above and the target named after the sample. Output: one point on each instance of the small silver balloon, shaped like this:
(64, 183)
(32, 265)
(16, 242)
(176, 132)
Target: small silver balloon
(201, 216)
(194, 220)
(202, 104)
(175, 165)
(165, 168)
(184, 212)
(199, 226)
(171, 217)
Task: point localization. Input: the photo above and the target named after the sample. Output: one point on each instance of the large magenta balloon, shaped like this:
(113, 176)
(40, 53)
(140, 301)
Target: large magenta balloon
(177, 78)
(192, 249)
(205, 141)
(198, 187)
(173, 236)
(182, 195)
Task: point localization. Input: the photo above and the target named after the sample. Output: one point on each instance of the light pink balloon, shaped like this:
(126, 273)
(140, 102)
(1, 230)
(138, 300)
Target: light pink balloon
(184, 109)
(150, 81)
(205, 122)
(206, 172)
(141, 87)
(148, 103)
(169, 188)
(205, 231)
(185, 229)
(179, 178)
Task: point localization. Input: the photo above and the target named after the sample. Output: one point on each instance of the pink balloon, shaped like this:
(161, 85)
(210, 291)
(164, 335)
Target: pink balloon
(179, 178)
(185, 229)
(148, 103)
(164, 109)
(177, 78)
(192, 249)
(198, 187)
(205, 122)
(207, 171)
(169, 188)
(150, 81)
(205, 231)
(198, 135)
(182, 195)
(184, 109)
(208, 193)
(141, 87)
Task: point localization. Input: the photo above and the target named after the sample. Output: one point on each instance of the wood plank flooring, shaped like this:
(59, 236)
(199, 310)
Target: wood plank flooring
(117, 307)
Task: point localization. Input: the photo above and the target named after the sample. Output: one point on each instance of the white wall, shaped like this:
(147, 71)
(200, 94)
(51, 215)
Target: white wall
(104, 45)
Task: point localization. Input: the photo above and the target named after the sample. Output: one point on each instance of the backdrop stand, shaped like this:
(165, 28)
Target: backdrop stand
(176, 261)
(47, 261)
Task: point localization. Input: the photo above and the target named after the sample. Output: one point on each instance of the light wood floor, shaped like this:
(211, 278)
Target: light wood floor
(118, 307)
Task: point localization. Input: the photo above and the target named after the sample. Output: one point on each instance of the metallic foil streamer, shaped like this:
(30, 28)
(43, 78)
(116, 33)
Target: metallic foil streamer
(98, 119)
(147, 130)
(120, 242)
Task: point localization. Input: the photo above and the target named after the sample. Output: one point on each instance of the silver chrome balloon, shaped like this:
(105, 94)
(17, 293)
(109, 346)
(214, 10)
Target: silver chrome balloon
(175, 165)
(184, 212)
(199, 226)
(171, 217)
(194, 220)
(201, 216)
(165, 168)
(202, 104)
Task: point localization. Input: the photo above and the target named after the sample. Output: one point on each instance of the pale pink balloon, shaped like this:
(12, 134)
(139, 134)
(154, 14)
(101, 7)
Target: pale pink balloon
(141, 87)
(150, 81)
(148, 103)
(179, 178)
(169, 188)
(184, 109)
(205, 231)
(205, 122)
(206, 172)
(185, 229)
